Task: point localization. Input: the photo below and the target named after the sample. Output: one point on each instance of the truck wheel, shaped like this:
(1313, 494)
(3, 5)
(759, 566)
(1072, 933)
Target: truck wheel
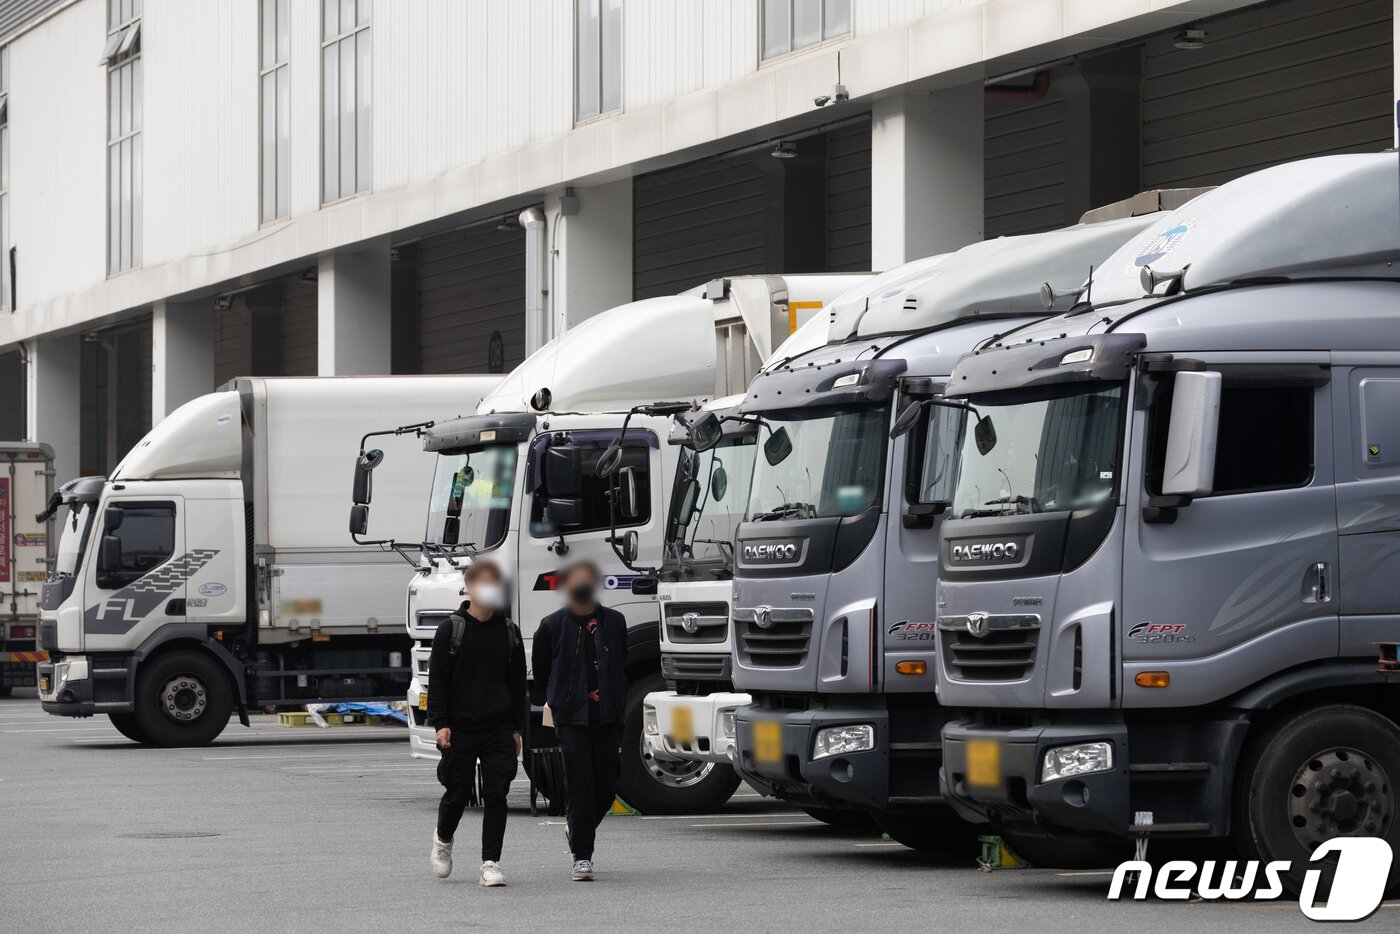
(182, 699)
(126, 725)
(941, 832)
(851, 821)
(655, 787)
(1046, 852)
(1329, 772)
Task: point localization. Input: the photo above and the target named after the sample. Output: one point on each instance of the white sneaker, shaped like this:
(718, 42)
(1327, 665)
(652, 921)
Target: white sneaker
(491, 873)
(442, 857)
(583, 871)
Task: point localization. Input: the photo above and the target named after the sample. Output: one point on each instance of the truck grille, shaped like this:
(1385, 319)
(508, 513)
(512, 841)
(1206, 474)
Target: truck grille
(773, 637)
(695, 667)
(697, 623)
(989, 648)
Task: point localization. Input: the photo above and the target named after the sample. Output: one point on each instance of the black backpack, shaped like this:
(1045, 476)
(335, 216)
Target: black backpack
(459, 630)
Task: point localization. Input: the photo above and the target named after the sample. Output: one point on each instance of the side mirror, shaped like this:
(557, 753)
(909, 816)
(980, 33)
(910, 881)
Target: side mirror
(1189, 466)
(109, 557)
(685, 509)
(363, 488)
(907, 419)
(359, 519)
(609, 460)
(451, 530)
(627, 493)
(112, 518)
(564, 512)
(561, 472)
(631, 546)
(719, 483)
(777, 447)
(644, 586)
(984, 433)
(705, 431)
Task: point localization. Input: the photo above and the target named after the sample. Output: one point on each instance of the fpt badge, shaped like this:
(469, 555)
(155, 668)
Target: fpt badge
(550, 580)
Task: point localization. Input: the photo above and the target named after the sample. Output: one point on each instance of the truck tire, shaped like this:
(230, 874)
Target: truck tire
(183, 698)
(1047, 852)
(1327, 772)
(941, 832)
(126, 725)
(655, 787)
(839, 819)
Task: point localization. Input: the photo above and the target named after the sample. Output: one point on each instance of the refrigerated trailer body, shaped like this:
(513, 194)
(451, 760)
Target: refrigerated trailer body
(213, 570)
(26, 555)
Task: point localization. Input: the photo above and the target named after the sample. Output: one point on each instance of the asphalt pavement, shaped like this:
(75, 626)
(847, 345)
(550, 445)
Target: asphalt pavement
(282, 829)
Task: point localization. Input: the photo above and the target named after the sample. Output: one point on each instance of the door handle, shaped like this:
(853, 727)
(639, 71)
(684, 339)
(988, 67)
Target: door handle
(1321, 592)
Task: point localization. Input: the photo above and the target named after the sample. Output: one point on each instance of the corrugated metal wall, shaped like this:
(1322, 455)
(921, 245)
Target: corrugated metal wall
(848, 198)
(298, 328)
(1273, 84)
(695, 222)
(471, 287)
(1024, 152)
(269, 331)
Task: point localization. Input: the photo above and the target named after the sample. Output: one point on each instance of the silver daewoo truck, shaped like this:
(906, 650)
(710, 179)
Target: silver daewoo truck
(1167, 602)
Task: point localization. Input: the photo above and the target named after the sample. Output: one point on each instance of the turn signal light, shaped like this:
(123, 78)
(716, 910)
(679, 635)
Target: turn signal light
(911, 667)
(1153, 679)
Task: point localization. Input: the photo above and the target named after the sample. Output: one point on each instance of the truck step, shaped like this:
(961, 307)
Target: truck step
(296, 718)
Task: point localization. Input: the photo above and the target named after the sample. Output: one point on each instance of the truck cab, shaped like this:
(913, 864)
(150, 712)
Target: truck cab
(833, 628)
(519, 480)
(1166, 605)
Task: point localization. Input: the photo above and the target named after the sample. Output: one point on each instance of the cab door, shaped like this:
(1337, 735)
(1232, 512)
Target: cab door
(135, 579)
(1217, 592)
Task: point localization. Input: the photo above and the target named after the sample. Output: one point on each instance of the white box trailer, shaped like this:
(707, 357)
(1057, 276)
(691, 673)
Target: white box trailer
(215, 571)
(26, 555)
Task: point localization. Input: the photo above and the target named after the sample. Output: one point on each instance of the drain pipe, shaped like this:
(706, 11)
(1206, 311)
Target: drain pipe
(536, 249)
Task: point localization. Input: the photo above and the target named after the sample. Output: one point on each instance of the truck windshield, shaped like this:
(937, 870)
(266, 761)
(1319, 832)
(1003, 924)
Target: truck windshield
(72, 539)
(1045, 455)
(819, 463)
(472, 491)
(709, 499)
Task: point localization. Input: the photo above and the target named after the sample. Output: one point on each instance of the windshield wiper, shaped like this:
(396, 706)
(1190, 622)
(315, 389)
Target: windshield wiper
(1010, 505)
(788, 511)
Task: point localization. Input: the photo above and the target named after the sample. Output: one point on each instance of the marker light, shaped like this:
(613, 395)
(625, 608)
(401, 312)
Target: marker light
(918, 667)
(850, 379)
(1153, 679)
(1077, 356)
(840, 740)
(649, 721)
(726, 720)
(1079, 759)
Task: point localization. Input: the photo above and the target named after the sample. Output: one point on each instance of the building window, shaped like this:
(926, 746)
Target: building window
(275, 105)
(789, 25)
(7, 295)
(597, 57)
(122, 57)
(346, 115)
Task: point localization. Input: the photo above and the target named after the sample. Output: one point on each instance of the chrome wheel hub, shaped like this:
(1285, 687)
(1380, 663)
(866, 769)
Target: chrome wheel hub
(183, 699)
(678, 773)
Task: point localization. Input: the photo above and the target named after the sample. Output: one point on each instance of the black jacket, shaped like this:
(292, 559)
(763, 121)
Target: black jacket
(558, 656)
(484, 684)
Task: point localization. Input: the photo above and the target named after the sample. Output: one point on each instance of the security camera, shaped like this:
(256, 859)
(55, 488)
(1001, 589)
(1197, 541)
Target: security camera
(821, 100)
(838, 95)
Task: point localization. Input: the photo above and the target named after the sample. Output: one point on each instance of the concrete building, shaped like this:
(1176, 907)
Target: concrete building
(192, 190)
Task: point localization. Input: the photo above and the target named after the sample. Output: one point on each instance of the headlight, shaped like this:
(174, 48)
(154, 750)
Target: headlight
(726, 721)
(649, 721)
(1079, 759)
(840, 740)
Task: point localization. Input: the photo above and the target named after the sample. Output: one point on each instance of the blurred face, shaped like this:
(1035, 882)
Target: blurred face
(582, 587)
(487, 592)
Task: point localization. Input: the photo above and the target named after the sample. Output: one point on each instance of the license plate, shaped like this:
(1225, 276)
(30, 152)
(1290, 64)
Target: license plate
(422, 702)
(44, 685)
(682, 726)
(984, 763)
(768, 742)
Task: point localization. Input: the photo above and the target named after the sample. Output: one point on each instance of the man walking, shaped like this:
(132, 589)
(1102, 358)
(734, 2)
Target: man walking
(476, 701)
(579, 654)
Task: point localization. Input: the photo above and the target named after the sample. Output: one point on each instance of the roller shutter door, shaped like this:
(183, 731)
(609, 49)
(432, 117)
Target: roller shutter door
(12, 389)
(115, 394)
(471, 288)
(1278, 83)
(299, 328)
(1024, 153)
(695, 222)
(268, 331)
(848, 198)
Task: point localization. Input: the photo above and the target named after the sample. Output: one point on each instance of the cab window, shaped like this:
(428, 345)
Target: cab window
(595, 491)
(137, 538)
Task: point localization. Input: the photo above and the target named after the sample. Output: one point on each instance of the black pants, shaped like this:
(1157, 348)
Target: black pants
(495, 749)
(592, 763)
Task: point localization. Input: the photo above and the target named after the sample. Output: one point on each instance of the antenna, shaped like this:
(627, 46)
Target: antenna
(1089, 287)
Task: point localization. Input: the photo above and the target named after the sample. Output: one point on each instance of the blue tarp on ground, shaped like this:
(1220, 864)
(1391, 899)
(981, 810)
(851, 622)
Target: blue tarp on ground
(374, 710)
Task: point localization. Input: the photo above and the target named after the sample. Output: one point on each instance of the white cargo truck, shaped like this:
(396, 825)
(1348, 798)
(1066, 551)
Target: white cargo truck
(26, 554)
(213, 570)
(519, 480)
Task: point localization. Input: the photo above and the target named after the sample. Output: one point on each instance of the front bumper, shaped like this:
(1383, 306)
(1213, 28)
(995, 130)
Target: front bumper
(66, 687)
(422, 739)
(860, 779)
(1096, 803)
(710, 740)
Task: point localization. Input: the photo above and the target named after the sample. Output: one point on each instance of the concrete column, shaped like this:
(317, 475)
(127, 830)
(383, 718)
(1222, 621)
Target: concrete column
(182, 354)
(926, 171)
(53, 396)
(354, 332)
(1395, 51)
(590, 256)
(1103, 97)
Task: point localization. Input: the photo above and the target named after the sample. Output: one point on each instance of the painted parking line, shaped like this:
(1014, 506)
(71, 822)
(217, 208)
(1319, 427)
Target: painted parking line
(294, 755)
(879, 843)
(765, 823)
